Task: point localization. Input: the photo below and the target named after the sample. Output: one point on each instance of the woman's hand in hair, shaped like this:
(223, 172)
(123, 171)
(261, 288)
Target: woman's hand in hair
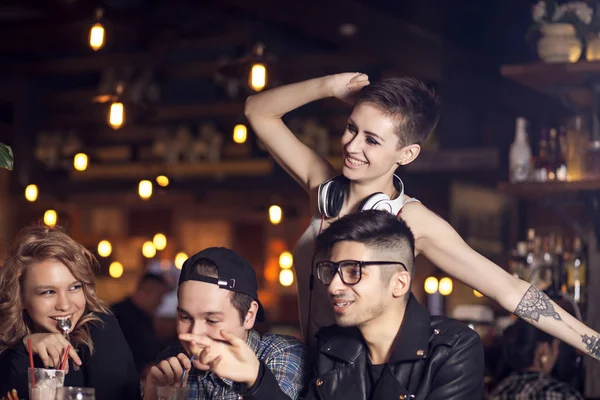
(50, 347)
(346, 86)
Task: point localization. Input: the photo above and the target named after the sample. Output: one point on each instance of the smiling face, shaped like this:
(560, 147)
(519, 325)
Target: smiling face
(51, 292)
(204, 308)
(370, 144)
(373, 297)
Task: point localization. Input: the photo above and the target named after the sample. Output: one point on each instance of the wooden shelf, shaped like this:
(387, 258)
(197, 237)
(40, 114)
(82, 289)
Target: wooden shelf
(537, 190)
(452, 160)
(570, 79)
(222, 169)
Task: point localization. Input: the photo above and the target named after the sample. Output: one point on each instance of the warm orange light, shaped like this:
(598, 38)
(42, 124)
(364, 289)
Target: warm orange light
(240, 133)
(286, 277)
(160, 241)
(275, 214)
(148, 249)
(31, 193)
(286, 260)
(258, 77)
(180, 258)
(104, 248)
(97, 36)
(145, 189)
(50, 218)
(431, 285)
(162, 180)
(445, 287)
(80, 161)
(115, 270)
(116, 115)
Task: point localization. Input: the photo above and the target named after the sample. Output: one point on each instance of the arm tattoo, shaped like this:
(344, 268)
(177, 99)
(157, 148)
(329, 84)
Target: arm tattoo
(535, 304)
(592, 345)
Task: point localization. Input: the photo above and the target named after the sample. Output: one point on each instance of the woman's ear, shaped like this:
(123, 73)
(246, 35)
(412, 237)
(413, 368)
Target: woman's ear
(408, 154)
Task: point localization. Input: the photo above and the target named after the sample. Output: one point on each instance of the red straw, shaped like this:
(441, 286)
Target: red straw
(65, 358)
(31, 363)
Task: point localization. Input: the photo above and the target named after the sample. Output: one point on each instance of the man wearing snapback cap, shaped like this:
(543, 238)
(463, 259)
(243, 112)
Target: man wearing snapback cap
(218, 292)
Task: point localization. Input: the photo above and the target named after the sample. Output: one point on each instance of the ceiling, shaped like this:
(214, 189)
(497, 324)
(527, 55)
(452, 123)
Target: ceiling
(180, 62)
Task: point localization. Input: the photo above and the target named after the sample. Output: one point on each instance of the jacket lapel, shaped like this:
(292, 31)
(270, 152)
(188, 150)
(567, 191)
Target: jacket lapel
(389, 387)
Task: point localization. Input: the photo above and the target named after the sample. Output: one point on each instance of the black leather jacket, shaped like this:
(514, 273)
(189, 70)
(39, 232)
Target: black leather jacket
(432, 358)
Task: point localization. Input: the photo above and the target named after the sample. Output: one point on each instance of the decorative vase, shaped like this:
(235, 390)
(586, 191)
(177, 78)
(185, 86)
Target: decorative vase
(592, 51)
(559, 44)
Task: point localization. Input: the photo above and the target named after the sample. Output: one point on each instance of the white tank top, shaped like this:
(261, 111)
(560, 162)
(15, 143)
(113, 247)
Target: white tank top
(322, 312)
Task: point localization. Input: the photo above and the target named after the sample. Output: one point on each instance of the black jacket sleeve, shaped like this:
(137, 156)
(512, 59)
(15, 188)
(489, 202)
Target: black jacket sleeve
(111, 369)
(461, 376)
(267, 387)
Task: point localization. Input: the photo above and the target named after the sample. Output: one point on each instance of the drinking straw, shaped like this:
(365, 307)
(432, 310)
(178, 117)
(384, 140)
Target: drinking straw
(185, 373)
(63, 365)
(31, 362)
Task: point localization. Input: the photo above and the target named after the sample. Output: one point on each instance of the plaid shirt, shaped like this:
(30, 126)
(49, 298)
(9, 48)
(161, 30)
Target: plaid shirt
(283, 355)
(531, 385)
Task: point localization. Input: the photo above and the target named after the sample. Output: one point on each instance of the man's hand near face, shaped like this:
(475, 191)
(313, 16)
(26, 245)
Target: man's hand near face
(230, 358)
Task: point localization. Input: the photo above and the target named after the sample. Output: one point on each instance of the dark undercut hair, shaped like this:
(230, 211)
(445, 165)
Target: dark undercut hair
(378, 230)
(240, 301)
(409, 101)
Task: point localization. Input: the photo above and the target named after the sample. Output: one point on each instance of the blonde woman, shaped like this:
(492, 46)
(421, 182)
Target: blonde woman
(46, 277)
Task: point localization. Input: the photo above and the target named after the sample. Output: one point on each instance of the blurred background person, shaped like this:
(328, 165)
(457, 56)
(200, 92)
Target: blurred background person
(530, 355)
(136, 318)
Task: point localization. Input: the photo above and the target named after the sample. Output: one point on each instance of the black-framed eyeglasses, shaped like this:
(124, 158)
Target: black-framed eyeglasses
(350, 271)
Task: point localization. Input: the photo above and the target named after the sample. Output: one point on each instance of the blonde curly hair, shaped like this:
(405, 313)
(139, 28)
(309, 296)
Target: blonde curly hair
(37, 244)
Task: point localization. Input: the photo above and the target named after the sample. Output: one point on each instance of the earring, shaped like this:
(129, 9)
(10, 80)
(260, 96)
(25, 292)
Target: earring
(544, 359)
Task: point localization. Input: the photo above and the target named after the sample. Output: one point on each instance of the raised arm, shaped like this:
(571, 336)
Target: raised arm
(441, 244)
(265, 110)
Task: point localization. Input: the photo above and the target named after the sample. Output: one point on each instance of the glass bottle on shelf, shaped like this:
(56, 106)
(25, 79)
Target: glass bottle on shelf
(520, 154)
(577, 141)
(561, 155)
(541, 162)
(576, 272)
(552, 155)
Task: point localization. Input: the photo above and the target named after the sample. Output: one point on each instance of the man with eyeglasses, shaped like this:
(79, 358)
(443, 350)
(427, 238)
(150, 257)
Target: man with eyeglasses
(385, 344)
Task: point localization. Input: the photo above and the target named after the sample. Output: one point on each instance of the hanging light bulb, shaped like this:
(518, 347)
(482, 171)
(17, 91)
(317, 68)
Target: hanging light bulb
(180, 259)
(104, 248)
(97, 32)
(431, 285)
(286, 277)
(116, 114)
(145, 189)
(240, 133)
(445, 287)
(148, 249)
(31, 193)
(162, 180)
(286, 260)
(258, 77)
(275, 214)
(50, 218)
(115, 270)
(80, 161)
(160, 241)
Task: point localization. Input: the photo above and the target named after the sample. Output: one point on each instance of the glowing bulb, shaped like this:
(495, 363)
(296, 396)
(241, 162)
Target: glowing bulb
(275, 214)
(116, 115)
(97, 36)
(104, 248)
(445, 287)
(286, 260)
(258, 77)
(240, 133)
(180, 259)
(148, 249)
(80, 161)
(159, 241)
(476, 293)
(162, 180)
(115, 270)
(31, 193)
(431, 285)
(145, 189)
(286, 277)
(50, 218)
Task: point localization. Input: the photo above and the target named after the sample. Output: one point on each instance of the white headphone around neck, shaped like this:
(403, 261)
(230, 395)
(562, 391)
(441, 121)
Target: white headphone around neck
(331, 198)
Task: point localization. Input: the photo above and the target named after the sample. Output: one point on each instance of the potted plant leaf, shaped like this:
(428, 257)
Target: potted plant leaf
(6, 157)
